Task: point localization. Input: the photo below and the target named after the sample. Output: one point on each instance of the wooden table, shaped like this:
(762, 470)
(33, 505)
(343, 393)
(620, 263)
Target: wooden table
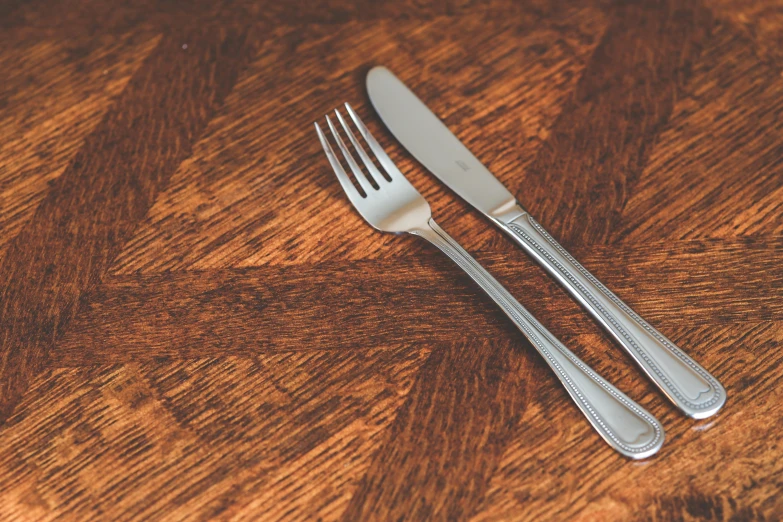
(195, 324)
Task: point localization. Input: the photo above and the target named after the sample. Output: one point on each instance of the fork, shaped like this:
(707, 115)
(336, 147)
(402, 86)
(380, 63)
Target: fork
(391, 204)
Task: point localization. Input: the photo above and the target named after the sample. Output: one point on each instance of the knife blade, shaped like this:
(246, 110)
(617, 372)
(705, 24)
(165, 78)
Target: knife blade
(434, 146)
(689, 386)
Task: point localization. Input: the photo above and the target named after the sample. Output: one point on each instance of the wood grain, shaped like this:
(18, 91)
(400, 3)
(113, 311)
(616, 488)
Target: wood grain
(270, 199)
(61, 107)
(650, 490)
(733, 185)
(457, 419)
(195, 324)
(601, 140)
(80, 226)
(138, 426)
(758, 21)
(192, 314)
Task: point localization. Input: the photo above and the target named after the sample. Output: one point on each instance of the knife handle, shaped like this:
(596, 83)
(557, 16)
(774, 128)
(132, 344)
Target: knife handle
(622, 423)
(689, 386)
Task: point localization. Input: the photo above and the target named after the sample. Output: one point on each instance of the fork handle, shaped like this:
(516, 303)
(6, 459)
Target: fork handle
(622, 423)
(689, 386)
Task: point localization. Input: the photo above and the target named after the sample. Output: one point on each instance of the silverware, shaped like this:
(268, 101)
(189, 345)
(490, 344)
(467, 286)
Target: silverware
(689, 386)
(391, 204)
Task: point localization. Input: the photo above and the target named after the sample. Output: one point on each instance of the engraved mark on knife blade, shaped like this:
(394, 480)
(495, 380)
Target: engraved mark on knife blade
(464, 166)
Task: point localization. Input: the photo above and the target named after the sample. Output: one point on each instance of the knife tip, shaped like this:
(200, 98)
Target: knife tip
(378, 69)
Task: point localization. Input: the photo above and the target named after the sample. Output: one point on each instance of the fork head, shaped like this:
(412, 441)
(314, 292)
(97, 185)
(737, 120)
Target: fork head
(387, 202)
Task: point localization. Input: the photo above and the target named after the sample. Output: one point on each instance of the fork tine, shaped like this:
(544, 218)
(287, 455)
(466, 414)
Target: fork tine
(348, 187)
(385, 161)
(377, 176)
(357, 172)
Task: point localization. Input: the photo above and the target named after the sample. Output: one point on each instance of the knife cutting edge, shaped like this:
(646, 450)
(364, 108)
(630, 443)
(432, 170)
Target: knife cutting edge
(689, 386)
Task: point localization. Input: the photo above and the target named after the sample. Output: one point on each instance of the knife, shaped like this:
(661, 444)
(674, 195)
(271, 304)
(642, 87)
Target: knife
(689, 386)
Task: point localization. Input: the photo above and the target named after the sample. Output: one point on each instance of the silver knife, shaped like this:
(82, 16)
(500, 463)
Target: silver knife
(689, 386)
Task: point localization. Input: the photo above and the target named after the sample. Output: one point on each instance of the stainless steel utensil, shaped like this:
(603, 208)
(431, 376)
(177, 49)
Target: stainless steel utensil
(689, 386)
(391, 204)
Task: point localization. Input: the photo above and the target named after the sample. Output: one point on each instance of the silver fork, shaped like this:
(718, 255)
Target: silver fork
(396, 206)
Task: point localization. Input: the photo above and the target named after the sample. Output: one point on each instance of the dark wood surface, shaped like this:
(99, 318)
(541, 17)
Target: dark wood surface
(195, 324)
